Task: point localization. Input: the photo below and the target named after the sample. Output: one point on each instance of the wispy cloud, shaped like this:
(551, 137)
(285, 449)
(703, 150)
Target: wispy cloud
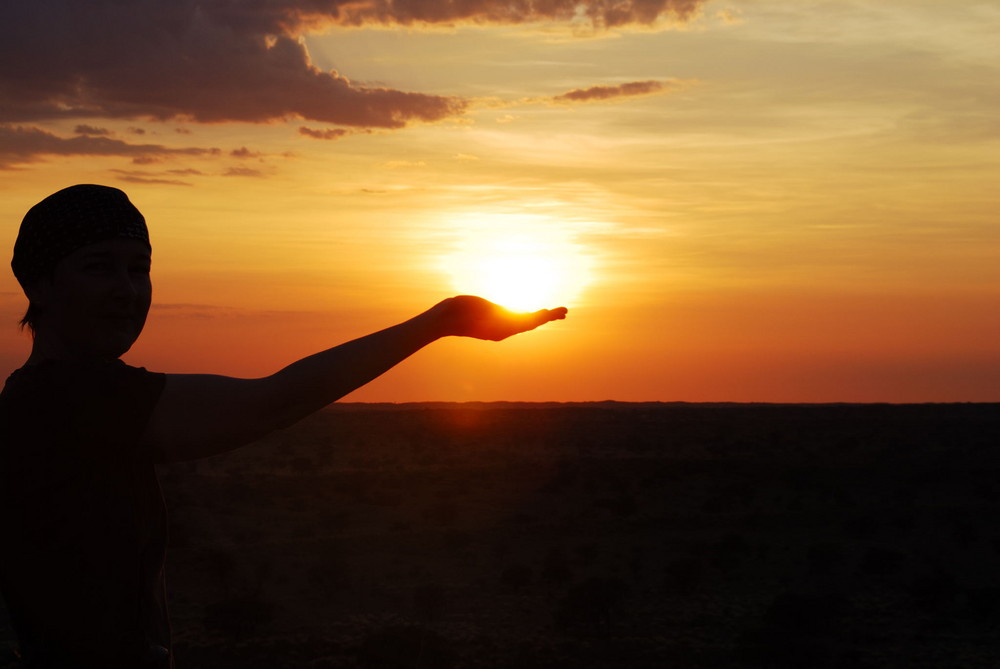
(143, 177)
(243, 172)
(595, 93)
(20, 145)
(244, 153)
(323, 133)
(327, 133)
(90, 130)
(605, 93)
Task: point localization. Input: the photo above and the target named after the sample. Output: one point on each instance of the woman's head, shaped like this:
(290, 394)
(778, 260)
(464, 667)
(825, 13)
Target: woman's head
(82, 257)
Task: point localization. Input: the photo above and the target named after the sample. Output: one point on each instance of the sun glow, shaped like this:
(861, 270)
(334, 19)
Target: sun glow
(522, 262)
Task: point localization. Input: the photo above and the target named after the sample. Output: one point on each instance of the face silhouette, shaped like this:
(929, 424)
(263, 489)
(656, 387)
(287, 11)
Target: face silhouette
(95, 304)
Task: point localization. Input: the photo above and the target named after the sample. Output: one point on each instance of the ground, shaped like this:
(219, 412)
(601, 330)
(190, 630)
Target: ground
(599, 535)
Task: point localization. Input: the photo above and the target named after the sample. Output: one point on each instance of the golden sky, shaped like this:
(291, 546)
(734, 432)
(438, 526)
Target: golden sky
(753, 200)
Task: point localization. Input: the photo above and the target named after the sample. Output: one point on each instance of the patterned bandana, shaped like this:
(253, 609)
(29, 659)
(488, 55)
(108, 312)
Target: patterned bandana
(71, 219)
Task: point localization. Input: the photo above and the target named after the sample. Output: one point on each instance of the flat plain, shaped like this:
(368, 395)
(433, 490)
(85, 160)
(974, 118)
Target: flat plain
(596, 535)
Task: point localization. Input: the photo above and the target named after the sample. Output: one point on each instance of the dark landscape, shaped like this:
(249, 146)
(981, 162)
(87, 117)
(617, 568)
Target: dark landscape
(603, 535)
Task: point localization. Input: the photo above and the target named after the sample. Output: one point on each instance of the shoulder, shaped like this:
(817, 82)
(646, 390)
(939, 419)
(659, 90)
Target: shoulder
(67, 387)
(118, 372)
(58, 373)
(60, 404)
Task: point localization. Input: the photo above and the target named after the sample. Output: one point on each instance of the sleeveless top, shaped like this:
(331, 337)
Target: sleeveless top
(82, 517)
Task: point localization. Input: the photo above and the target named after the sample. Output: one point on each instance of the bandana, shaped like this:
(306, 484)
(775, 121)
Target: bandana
(71, 219)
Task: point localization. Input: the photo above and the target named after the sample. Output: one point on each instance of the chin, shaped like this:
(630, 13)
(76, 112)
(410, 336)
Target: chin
(114, 345)
(122, 347)
(107, 352)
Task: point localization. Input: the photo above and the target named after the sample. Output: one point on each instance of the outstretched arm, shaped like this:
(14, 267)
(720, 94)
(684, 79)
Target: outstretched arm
(201, 414)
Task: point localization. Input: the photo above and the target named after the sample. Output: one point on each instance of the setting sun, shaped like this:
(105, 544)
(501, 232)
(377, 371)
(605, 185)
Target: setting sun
(522, 262)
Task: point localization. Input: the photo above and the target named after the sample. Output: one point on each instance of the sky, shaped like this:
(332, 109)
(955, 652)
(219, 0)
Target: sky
(737, 200)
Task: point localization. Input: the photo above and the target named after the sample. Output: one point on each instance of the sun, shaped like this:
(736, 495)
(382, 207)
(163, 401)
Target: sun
(522, 262)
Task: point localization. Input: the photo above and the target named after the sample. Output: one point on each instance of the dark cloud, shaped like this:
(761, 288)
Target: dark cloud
(600, 93)
(211, 61)
(218, 60)
(244, 152)
(146, 160)
(329, 133)
(20, 145)
(597, 13)
(203, 61)
(90, 130)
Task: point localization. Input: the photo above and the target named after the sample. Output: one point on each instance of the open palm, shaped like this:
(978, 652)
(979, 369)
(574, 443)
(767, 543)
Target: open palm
(471, 316)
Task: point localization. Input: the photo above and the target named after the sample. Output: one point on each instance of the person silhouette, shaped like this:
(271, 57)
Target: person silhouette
(83, 518)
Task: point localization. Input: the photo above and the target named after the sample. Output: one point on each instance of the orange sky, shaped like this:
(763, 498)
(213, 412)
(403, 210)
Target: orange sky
(738, 201)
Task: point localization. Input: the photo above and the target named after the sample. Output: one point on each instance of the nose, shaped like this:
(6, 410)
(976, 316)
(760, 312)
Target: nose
(126, 285)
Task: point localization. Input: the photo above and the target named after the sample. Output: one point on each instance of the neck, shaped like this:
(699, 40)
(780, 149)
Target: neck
(45, 348)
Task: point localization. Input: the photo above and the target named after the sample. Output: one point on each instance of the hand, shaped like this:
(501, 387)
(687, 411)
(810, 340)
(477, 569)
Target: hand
(471, 316)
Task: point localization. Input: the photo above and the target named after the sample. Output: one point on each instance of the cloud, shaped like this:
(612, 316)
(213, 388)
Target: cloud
(90, 130)
(214, 61)
(243, 172)
(210, 62)
(140, 177)
(185, 59)
(329, 133)
(244, 152)
(596, 93)
(603, 93)
(21, 145)
(597, 13)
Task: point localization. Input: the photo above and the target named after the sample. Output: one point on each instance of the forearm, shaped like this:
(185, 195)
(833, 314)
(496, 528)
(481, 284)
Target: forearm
(321, 379)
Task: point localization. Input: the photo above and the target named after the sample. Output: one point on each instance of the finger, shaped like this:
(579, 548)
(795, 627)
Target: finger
(542, 316)
(546, 315)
